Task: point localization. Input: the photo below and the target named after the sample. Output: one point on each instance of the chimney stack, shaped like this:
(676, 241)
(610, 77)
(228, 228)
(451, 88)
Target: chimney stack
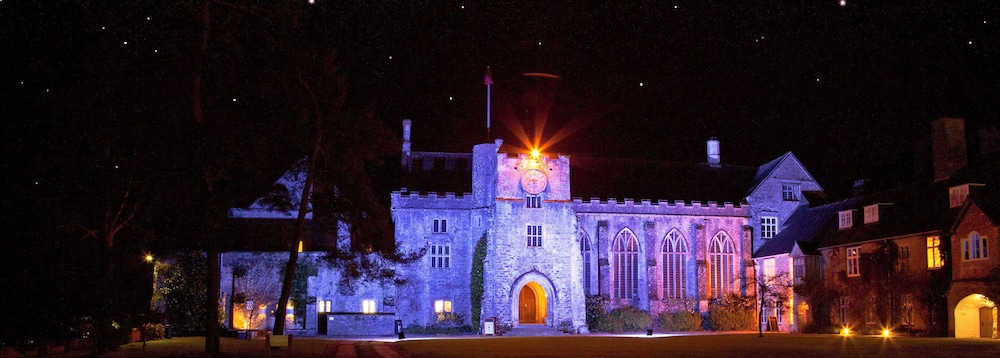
(406, 142)
(714, 159)
(948, 146)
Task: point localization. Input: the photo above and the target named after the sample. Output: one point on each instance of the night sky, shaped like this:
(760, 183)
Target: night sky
(849, 87)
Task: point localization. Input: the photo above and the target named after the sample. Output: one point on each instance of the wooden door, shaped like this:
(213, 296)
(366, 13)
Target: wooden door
(527, 307)
(986, 322)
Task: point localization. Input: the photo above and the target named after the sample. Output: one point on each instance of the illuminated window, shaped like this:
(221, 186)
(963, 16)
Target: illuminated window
(368, 306)
(853, 261)
(440, 256)
(974, 247)
(934, 260)
(534, 235)
(722, 263)
(768, 268)
(871, 214)
(442, 306)
(585, 251)
(625, 269)
(533, 201)
(790, 192)
(846, 219)
(674, 259)
(440, 226)
(768, 227)
(904, 258)
(323, 306)
(957, 195)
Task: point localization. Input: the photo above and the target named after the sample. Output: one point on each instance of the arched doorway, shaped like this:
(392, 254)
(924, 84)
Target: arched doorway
(532, 304)
(975, 317)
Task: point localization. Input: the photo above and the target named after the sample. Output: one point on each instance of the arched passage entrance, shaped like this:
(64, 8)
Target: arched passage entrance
(530, 297)
(975, 317)
(532, 304)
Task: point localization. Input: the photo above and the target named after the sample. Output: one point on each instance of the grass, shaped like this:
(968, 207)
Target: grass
(702, 345)
(728, 345)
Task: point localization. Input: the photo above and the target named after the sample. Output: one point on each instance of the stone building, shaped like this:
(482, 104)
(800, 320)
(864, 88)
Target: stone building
(659, 236)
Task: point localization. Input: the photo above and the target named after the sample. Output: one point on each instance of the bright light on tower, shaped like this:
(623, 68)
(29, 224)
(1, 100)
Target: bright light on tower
(535, 153)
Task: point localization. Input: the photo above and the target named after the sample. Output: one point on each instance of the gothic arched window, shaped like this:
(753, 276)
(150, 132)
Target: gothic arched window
(585, 251)
(722, 261)
(674, 257)
(625, 269)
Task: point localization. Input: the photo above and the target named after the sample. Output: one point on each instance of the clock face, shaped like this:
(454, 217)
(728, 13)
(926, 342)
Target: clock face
(533, 181)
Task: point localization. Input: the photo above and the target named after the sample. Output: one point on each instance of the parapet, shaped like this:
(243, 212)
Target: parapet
(647, 206)
(431, 200)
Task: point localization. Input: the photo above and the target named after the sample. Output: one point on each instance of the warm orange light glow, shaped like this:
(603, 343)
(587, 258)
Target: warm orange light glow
(845, 331)
(535, 153)
(886, 333)
(149, 258)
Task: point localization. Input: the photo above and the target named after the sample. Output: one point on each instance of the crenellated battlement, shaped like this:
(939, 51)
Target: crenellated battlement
(431, 200)
(647, 206)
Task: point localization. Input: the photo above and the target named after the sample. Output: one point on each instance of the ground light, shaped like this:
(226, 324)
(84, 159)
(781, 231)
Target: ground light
(845, 331)
(886, 333)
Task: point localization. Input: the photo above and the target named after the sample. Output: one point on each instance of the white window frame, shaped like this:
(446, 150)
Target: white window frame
(625, 269)
(791, 191)
(674, 266)
(769, 268)
(368, 306)
(871, 213)
(768, 227)
(440, 226)
(854, 261)
(846, 219)
(440, 256)
(534, 236)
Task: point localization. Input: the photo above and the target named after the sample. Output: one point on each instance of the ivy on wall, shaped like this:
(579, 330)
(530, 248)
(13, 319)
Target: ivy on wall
(476, 283)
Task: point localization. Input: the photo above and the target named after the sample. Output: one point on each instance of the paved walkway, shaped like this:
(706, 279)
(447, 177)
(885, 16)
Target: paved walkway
(363, 349)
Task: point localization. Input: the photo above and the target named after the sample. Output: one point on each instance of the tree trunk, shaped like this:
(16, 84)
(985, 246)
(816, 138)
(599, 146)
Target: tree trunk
(212, 299)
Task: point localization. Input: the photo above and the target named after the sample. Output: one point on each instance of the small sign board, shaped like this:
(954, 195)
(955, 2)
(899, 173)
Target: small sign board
(489, 327)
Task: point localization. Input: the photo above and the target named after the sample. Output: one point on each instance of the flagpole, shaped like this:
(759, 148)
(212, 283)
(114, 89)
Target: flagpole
(488, 81)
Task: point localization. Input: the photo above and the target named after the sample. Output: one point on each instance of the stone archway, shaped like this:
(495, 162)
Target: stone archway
(975, 317)
(530, 297)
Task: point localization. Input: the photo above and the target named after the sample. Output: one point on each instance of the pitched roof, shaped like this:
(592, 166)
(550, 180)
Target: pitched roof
(804, 227)
(764, 171)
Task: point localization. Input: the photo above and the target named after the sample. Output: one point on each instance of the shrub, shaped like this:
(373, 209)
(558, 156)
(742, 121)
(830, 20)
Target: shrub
(623, 319)
(681, 321)
(732, 313)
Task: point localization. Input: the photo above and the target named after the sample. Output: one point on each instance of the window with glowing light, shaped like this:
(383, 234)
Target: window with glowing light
(768, 227)
(324, 306)
(974, 247)
(534, 236)
(625, 268)
(854, 261)
(442, 306)
(934, 260)
(790, 192)
(585, 251)
(674, 260)
(871, 214)
(957, 195)
(440, 226)
(533, 202)
(368, 306)
(722, 264)
(440, 256)
(768, 268)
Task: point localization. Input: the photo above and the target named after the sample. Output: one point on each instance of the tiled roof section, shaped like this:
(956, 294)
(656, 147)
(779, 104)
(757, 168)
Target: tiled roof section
(435, 172)
(913, 209)
(988, 200)
(805, 227)
(658, 180)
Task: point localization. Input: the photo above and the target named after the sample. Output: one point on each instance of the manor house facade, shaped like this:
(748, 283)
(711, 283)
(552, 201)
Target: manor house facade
(659, 236)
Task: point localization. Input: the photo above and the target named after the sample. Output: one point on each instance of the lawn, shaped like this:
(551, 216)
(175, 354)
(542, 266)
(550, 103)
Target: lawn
(704, 345)
(726, 345)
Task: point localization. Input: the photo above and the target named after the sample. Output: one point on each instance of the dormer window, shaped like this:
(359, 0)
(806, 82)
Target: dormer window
(871, 214)
(790, 192)
(846, 219)
(957, 195)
